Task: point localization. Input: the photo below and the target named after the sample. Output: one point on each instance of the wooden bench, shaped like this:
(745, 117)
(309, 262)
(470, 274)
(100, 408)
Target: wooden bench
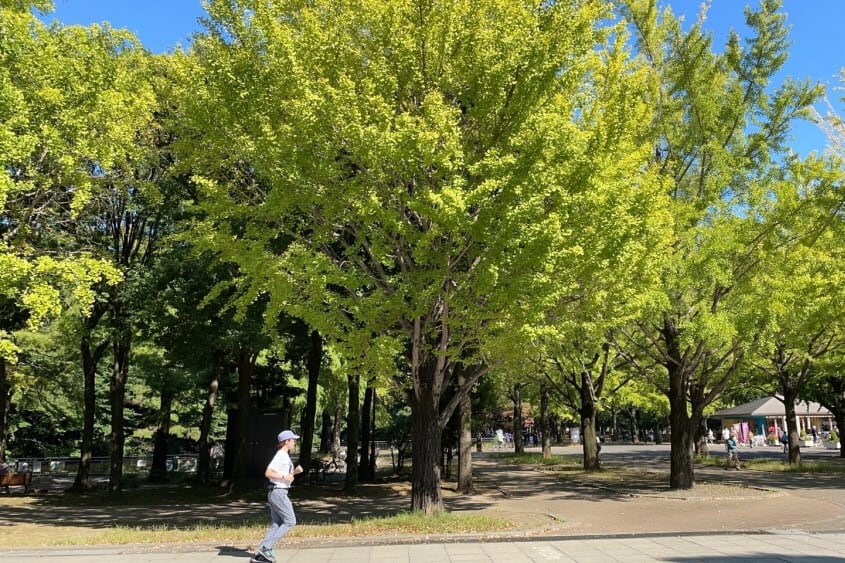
(16, 479)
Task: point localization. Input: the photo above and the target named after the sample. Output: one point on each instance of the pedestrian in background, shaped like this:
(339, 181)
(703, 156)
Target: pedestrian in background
(733, 456)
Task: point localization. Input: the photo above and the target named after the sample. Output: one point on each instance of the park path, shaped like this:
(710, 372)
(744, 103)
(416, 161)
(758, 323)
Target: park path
(544, 503)
(723, 501)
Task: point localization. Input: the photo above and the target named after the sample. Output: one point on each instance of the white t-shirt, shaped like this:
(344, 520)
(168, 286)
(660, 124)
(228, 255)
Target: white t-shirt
(281, 463)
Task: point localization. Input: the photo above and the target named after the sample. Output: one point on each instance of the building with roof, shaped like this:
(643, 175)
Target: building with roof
(761, 416)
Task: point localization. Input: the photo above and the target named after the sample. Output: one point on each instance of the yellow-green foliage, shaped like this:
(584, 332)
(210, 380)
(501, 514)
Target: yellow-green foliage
(492, 157)
(71, 102)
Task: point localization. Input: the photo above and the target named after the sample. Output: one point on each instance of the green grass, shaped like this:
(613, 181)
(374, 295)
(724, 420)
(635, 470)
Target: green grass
(254, 528)
(408, 523)
(777, 465)
(537, 459)
(803, 467)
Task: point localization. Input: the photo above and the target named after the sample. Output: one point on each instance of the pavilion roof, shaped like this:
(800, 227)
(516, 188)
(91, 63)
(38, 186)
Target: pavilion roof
(770, 406)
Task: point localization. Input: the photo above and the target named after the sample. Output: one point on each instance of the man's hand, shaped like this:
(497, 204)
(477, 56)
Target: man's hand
(297, 470)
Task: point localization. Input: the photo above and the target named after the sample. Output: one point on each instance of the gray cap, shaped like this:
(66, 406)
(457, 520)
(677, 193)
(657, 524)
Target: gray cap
(287, 435)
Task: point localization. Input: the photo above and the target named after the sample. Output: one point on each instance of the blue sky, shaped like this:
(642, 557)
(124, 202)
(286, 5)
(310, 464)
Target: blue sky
(817, 53)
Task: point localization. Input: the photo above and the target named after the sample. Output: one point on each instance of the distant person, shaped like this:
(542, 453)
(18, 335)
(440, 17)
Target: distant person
(733, 456)
(500, 438)
(725, 435)
(280, 473)
(478, 442)
(784, 439)
(709, 435)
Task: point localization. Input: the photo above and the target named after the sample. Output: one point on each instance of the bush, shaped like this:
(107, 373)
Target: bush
(834, 437)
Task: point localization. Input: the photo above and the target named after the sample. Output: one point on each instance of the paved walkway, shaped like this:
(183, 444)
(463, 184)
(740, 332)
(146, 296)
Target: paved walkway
(757, 548)
(730, 515)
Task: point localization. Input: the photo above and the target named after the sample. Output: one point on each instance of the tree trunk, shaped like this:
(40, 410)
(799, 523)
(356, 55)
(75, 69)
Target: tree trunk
(426, 436)
(614, 424)
(245, 370)
(681, 468)
(431, 374)
(309, 415)
(364, 464)
(634, 426)
(337, 423)
(373, 437)
(792, 429)
(326, 432)
(117, 396)
(204, 464)
(518, 442)
(353, 431)
(839, 416)
(588, 424)
(161, 438)
(5, 408)
(90, 361)
(545, 434)
(465, 442)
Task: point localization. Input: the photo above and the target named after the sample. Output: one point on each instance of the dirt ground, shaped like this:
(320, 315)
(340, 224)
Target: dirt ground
(633, 498)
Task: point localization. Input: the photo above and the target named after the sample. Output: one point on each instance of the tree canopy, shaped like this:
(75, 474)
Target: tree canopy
(434, 191)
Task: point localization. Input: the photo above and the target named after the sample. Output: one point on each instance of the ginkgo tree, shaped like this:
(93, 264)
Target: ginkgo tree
(794, 296)
(421, 177)
(64, 120)
(827, 385)
(720, 129)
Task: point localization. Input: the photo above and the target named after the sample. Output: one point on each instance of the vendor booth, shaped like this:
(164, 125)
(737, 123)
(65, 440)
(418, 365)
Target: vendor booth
(764, 416)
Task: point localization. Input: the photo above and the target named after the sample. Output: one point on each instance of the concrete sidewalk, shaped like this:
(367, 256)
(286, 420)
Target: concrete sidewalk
(816, 548)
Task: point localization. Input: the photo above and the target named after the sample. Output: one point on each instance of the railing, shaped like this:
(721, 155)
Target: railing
(185, 463)
(182, 463)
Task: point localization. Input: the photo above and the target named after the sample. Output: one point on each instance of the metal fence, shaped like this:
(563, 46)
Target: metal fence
(186, 463)
(182, 463)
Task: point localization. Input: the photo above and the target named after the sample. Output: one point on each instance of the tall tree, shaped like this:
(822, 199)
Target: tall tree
(435, 178)
(74, 103)
(794, 295)
(828, 388)
(718, 130)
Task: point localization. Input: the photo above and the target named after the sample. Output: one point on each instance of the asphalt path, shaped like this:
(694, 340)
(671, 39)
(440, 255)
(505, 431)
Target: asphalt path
(622, 452)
